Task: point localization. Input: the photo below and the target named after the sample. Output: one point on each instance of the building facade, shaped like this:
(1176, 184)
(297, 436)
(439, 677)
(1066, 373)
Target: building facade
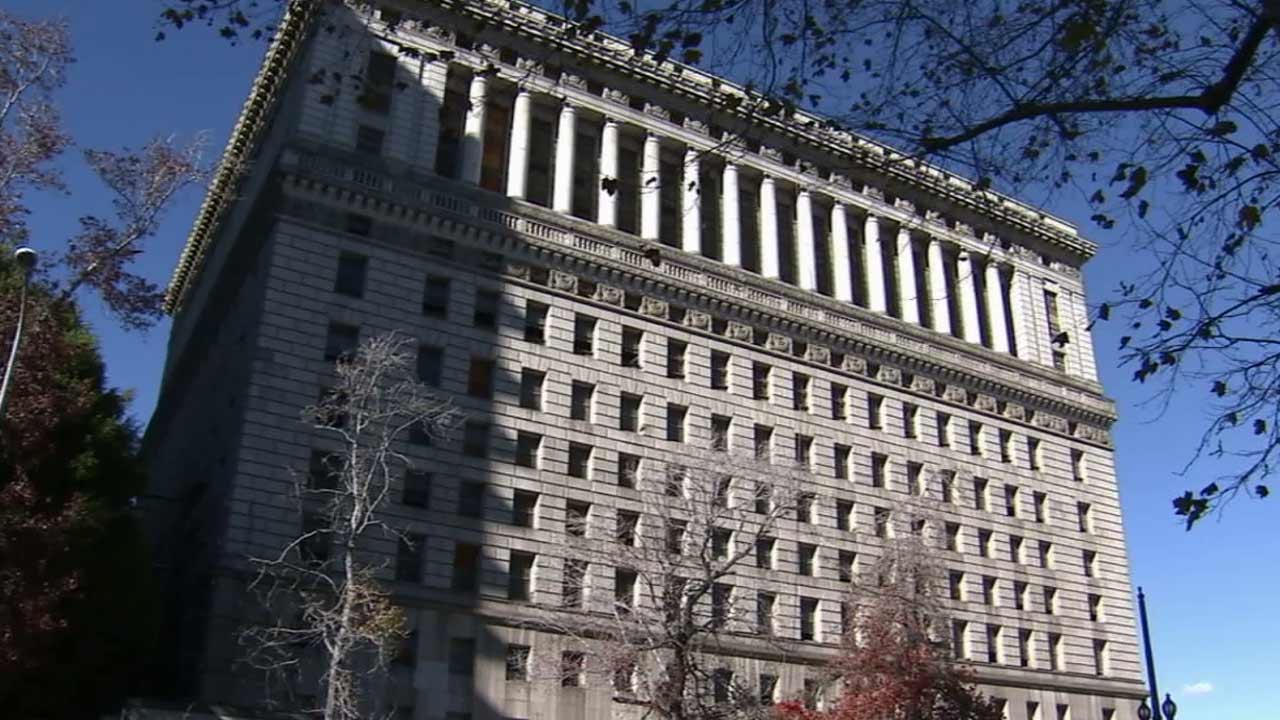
(608, 261)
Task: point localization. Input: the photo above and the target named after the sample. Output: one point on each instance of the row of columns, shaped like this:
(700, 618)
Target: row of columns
(877, 298)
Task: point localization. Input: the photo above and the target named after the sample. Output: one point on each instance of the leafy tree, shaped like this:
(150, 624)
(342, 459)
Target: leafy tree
(329, 623)
(1162, 113)
(893, 666)
(76, 601)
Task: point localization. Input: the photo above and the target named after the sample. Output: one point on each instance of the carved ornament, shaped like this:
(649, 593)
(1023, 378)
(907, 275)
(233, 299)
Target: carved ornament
(818, 354)
(738, 331)
(855, 364)
(778, 343)
(653, 307)
(891, 375)
(609, 294)
(564, 281)
(955, 394)
(697, 320)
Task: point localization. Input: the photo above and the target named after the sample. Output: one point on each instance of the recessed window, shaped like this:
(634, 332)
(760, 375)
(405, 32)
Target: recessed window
(1011, 500)
(518, 663)
(808, 559)
(915, 479)
(466, 567)
(944, 430)
(341, 341)
(480, 378)
(765, 603)
(410, 551)
(1084, 516)
(840, 457)
(976, 443)
(880, 519)
(576, 518)
(839, 402)
(719, 370)
(1095, 607)
(571, 667)
(980, 494)
(573, 583)
(800, 391)
(581, 396)
(624, 590)
(628, 470)
(760, 380)
(485, 313)
(762, 438)
(848, 565)
(984, 543)
(764, 552)
(584, 335)
(475, 439)
(875, 411)
(808, 618)
(435, 297)
(628, 522)
(953, 536)
(629, 412)
(535, 322)
(1041, 506)
(675, 536)
(879, 470)
(910, 420)
(1055, 651)
(955, 585)
(632, 344)
(531, 382)
(579, 460)
(358, 224)
(352, 268)
(520, 576)
(721, 543)
(676, 417)
(844, 515)
(804, 507)
(471, 499)
(430, 364)
(721, 431)
(1006, 446)
(1033, 453)
(947, 478)
(524, 508)
(676, 353)
(804, 451)
(528, 449)
(1078, 466)
(416, 491)
(1090, 564)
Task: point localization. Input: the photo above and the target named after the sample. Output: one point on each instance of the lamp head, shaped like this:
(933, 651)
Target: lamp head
(26, 259)
(1168, 706)
(1144, 712)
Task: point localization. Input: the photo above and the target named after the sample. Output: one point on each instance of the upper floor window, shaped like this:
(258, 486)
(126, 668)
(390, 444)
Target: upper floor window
(485, 313)
(584, 335)
(435, 297)
(341, 341)
(351, 273)
(535, 322)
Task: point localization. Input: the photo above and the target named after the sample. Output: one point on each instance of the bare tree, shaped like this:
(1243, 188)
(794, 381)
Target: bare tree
(324, 602)
(897, 653)
(660, 636)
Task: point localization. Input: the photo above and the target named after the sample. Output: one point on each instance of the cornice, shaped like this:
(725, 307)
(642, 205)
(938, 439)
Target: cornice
(440, 206)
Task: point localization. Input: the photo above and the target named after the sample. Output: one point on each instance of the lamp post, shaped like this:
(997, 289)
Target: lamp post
(1156, 709)
(26, 259)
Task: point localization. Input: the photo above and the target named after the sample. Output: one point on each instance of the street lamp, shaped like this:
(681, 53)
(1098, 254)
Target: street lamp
(1144, 712)
(1169, 708)
(26, 259)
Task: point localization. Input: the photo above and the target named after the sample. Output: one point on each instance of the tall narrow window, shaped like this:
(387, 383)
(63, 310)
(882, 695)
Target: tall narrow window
(351, 272)
(875, 412)
(676, 417)
(629, 412)
(520, 576)
(584, 335)
(430, 364)
(804, 507)
(955, 585)
(524, 508)
(471, 499)
(475, 438)
(995, 649)
(1084, 516)
(466, 567)
(579, 460)
(626, 526)
(573, 583)
(581, 395)
(721, 432)
(380, 77)
(841, 456)
(808, 618)
(880, 519)
(879, 470)
(676, 352)
(518, 663)
(1033, 453)
(341, 341)
(1042, 506)
(531, 382)
(1078, 466)
(915, 479)
(1011, 500)
(628, 470)
(762, 437)
(1006, 446)
(764, 552)
(435, 297)
(535, 322)
(485, 313)
(839, 402)
(719, 370)
(800, 392)
(410, 551)
(760, 381)
(765, 603)
(980, 494)
(808, 557)
(948, 481)
(977, 445)
(944, 430)
(910, 420)
(480, 378)
(417, 489)
(804, 451)
(632, 342)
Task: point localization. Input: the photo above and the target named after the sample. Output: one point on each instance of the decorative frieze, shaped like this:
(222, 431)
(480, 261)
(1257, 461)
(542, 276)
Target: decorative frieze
(778, 343)
(697, 126)
(1052, 422)
(1014, 411)
(657, 111)
(855, 364)
(955, 394)
(564, 281)
(818, 354)
(517, 270)
(923, 384)
(984, 403)
(697, 319)
(738, 331)
(653, 307)
(616, 95)
(572, 80)
(889, 374)
(609, 295)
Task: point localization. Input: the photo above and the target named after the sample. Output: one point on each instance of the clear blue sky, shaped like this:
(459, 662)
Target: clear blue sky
(1212, 592)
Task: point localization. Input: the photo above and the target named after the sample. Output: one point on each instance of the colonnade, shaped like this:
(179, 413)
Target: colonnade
(986, 308)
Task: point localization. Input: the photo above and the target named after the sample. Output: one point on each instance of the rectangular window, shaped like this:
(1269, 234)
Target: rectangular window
(848, 565)
(764, 552)
(875, 411)
(358, 224)
(1046, 554)
(1090, 564)
(324, 470)
(1083, 516)
(579, 460)
(475, 439)
(351, 273)
(953, 537)
(960, 639)
(435, 297)
(1095, 607)
(430, 364)
(721, 432)
(769, 689)
(765, 603)
(528, 449)
(808, 618)
(584, 335)
(535, 322)
(571, 666)
(879, 470)
(1020, 595)
(955, 585)
(627, 524)
(984, 543)
(580, 400)
(721, 685)
(471, 499)
(1024, 648)
(380, 76)
(410, 551)
(1078, 469)
(675, 481)
(762, 438)
(1042, 504)
(577, 517)
(462, 656)
(624, 591)
(369, 140)
(723, 486)
(839, 402)
(804, 507)
(531, 382)
(760, 380)
(520, 576)
(808, 555)
(721, 543)
(804, 451)
(574, 582)
(719, 370)
(977, 447)
(341, 341)
(1011, 500)
(841, 456)
(632, 342)
(1006, 446)
(518, 663)
(480, 378)
(1033, 710)
(675, 530)
(995, 650)
(417, 489)
(915, 479)
(1055, 651)
(721, 597)
(980, 494)
(800, 392)
(524, 508)
(676, 416)
(988, 591)
(948, 480)
(1015, 549)
(1064, 712)
(844, 515)
(676, 353)
(880, 519)
(466, 567)
(629, 412)
(763, 498)
(485, 313)
(944, 430)
(910, 420)
(1033, 453)
(628, 470)
(1050, 596)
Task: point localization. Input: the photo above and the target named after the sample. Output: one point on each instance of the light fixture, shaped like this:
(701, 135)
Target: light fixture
(1168, 706)
(1144, 712)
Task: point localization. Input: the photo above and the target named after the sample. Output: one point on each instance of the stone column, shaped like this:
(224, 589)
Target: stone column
(968, 297)
(939, 303)
(650, 181)
(873, 265)
(1022, 345)
(518, 163)
(608, 205)
(770, 255)
(473, 130)
(730, 227)
(566, 136)
(691, 206)
(806, 253)
(995, 308)
(840, 254)
(908, 293)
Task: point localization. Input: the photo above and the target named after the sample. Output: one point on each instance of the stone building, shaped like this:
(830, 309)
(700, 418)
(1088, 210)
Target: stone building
(605, 259)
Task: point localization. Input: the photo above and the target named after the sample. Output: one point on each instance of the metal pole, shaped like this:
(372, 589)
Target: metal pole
(13, 350)
(1151, 663)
